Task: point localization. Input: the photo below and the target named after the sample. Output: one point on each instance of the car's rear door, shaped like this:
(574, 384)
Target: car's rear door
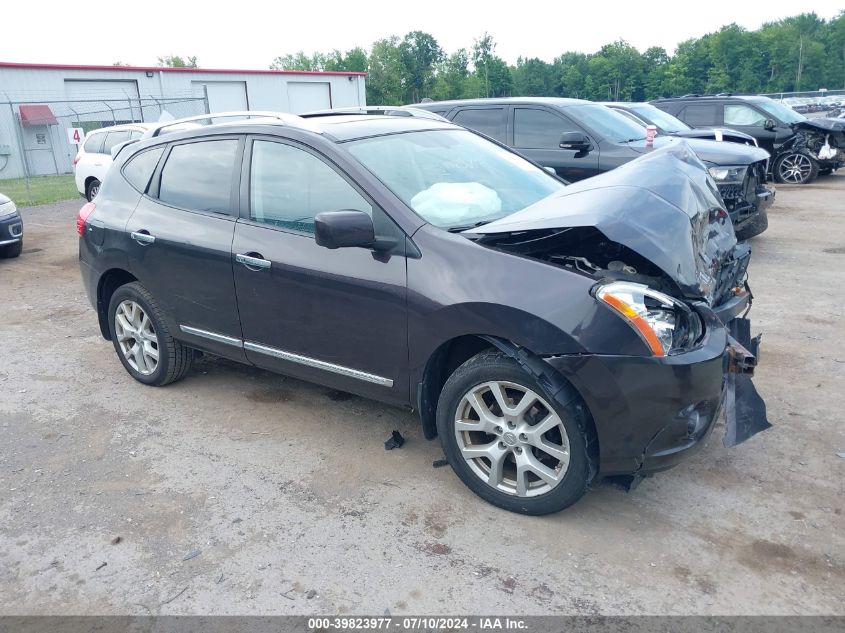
(337, 317)
(181, 241)
(537, 132)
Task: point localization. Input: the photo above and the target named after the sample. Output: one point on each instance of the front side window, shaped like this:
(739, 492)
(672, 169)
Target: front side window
(781, 112)
(489, 121)
(743, 115)
(139, 169)
(539, 129)
(454, 178)
(288, 186)
(198, 175)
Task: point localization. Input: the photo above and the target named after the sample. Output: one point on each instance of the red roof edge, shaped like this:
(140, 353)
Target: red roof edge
(32, 115)
(167, 69)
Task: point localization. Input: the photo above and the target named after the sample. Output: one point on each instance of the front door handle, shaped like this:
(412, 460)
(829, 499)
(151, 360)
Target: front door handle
(253, 261)
(143, 237)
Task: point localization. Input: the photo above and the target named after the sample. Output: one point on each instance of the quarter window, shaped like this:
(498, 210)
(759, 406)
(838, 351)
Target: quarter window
(743, 115)
(289, 186)
(489, 121)
(538, 129)
(199, 175)
(140, 168)
(704, 114)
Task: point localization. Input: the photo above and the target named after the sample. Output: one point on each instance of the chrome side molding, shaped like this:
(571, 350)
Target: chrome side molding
(289, 356)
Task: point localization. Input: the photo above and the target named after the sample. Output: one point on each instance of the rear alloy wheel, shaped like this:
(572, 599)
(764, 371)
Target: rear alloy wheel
(508, 441)
(92, 190)
(142, 340)
(796, 169)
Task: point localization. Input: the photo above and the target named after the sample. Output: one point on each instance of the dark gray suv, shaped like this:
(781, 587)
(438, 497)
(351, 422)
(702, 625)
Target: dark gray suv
(547, 334)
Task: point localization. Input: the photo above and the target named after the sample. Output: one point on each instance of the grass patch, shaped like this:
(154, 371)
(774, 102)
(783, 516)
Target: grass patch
(42, 189)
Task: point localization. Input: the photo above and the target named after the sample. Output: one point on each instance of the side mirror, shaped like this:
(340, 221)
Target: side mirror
(344, 229)
(574, 140)
(769, 124)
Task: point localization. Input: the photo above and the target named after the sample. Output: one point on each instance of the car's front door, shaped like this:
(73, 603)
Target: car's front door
(181, 242)
(744, 118)
(537, 132)
(337, 317)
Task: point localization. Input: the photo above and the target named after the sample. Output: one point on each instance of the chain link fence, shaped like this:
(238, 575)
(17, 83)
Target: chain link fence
(37, 148)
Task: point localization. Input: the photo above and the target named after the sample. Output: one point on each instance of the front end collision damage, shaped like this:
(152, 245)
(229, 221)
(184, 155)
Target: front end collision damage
(611, 228)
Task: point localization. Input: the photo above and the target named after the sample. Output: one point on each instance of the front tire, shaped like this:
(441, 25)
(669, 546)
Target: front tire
(796, 168)
(92, 189)
(141, 338)
(508, 441)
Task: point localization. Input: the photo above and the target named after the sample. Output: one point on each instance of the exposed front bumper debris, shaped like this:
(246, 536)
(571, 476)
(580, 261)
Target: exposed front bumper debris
(745, 410)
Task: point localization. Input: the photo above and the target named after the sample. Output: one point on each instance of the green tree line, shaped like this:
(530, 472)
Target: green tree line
(803, 52)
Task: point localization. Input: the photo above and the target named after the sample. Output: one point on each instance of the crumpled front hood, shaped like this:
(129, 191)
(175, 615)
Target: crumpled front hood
(664, 206)
(713, 151)
(825, 125)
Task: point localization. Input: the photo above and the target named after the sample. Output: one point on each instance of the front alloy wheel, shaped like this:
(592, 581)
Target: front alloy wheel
(512, 439)
(796, 169)
(509, 441)
(136, 337)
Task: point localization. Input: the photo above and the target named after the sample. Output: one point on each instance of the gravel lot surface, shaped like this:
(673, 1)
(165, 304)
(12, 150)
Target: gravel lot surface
(237, 491)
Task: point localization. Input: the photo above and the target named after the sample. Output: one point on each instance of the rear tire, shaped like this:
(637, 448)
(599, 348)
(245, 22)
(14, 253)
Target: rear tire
(141, 338)
(92, 189)
(528, 456)
(11, 250)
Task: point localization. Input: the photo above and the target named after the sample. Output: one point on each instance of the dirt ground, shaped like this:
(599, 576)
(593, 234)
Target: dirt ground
(237, 491)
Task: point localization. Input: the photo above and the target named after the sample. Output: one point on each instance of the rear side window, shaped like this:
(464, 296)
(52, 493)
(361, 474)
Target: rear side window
(199, 175)
(289, 186)
(94, 143)
(140, 168)
(538, 129)
(489, 121)
(703, 114)
(743, 115)
(114, 138)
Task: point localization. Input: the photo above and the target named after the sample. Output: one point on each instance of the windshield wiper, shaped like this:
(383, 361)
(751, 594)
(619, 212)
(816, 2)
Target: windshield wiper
(631, 140)
(458, 229)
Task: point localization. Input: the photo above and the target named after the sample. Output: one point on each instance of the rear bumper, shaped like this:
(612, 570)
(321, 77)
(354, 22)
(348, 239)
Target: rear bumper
(651, 413)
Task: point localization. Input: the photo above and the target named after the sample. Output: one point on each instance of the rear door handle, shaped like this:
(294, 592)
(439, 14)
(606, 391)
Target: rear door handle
(252, 261)
(143, 237)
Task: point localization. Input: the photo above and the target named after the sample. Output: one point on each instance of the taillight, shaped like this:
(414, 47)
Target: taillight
(82, 216)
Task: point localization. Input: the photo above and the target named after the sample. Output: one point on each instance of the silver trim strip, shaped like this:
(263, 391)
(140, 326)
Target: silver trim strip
(14, 241)
(319, 364)
(212, 336)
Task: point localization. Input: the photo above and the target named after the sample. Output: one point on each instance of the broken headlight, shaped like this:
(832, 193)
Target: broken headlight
(728, 175)
(665, 325)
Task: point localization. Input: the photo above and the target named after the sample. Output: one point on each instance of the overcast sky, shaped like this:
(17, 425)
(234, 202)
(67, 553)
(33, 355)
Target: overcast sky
(250, 35)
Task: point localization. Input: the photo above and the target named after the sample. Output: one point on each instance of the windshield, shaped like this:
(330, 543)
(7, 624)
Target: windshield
(454, 178)
(607, 123)
(661, 119)
(780, 111)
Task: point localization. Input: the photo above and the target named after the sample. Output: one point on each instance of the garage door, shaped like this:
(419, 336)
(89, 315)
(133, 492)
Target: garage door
(223, 96)
(304, 96)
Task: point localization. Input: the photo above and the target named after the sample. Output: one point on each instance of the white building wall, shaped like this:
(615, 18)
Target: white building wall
(35, 85)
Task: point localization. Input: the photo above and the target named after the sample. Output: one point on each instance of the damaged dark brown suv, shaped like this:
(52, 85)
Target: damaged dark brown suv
(549, 335)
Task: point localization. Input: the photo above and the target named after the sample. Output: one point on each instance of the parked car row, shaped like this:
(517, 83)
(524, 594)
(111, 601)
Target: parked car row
(801, 148)
(549, 334)
(579, 139)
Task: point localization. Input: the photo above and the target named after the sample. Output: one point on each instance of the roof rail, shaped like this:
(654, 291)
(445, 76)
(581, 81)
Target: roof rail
(385, 110)
(191, 122)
